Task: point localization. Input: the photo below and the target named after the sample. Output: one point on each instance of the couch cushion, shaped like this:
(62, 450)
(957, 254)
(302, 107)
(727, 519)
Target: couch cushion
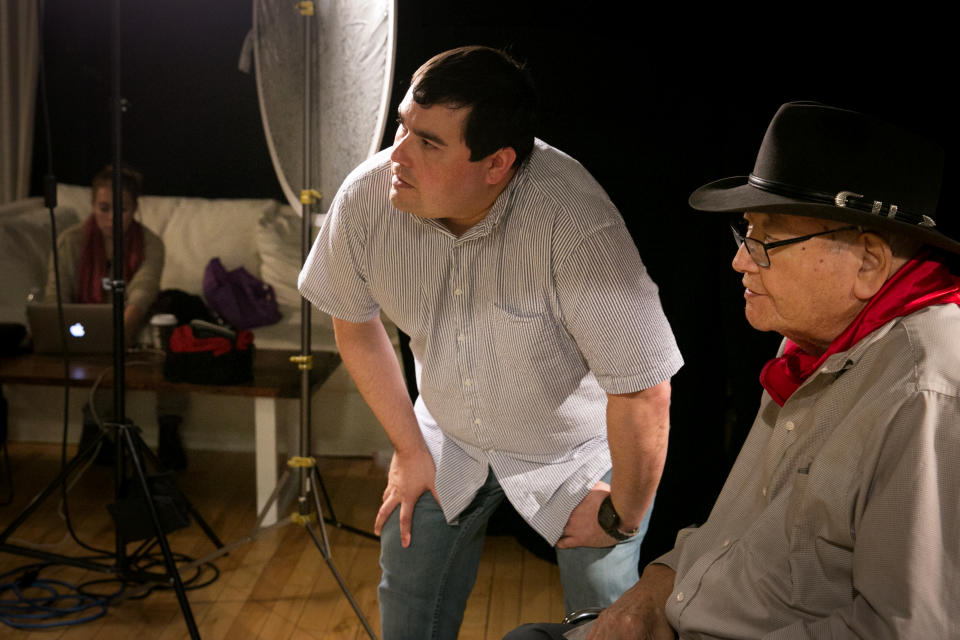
(153, 211)
(76, 197)
(199, 229)
(278, 239)
(25, 242)
(19, 206)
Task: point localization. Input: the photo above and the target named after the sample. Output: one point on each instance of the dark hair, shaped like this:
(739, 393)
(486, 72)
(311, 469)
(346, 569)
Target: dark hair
(130, 181)
(497, 89)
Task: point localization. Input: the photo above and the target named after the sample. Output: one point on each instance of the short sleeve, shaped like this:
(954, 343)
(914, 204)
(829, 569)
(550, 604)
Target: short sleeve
(333, 278)
(612, 308)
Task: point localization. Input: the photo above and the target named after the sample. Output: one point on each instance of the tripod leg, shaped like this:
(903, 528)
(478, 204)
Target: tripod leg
(271, 499)
(77, 462)
(211, 534)
(336, 575)
(120, 568)
(193, 511)
(318, 482)
(323, 544)
(174, 574)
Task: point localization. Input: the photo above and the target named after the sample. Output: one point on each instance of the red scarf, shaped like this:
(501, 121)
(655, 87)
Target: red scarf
(919, 283)
(93, 259)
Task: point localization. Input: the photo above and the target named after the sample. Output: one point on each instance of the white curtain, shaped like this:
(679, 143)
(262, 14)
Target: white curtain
(19, 62)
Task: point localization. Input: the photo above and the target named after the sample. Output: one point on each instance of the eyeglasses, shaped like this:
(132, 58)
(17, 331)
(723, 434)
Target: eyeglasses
(758, 250)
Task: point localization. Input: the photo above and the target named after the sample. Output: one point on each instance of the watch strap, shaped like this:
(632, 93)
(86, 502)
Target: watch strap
(609, 521)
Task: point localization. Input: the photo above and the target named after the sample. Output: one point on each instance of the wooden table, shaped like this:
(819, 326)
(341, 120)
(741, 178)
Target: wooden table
(274, 376)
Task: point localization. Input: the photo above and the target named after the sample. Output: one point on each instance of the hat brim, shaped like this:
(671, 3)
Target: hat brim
(736, 195)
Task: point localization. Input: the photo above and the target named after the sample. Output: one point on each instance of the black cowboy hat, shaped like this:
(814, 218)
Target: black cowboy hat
(825, 162)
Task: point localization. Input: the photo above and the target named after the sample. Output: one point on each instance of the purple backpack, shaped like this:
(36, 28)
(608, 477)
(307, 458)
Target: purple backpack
(239, 297)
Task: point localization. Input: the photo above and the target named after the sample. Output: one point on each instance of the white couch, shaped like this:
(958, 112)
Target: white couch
(261, 235)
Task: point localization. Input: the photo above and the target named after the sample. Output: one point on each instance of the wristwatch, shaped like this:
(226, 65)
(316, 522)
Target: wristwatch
(609, 521)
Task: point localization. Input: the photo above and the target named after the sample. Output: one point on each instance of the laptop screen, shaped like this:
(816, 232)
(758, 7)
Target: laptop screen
(88, 328)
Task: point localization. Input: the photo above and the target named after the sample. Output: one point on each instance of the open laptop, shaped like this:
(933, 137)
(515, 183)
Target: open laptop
(88, 327)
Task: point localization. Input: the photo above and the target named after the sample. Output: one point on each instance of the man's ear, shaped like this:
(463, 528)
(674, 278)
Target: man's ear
(500, 162)
(876, 265)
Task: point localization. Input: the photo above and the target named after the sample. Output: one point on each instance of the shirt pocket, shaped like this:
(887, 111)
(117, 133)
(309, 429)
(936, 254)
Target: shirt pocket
(533, 353)
(818, 530)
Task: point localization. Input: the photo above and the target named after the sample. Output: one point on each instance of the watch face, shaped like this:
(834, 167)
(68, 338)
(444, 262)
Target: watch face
(607, 516)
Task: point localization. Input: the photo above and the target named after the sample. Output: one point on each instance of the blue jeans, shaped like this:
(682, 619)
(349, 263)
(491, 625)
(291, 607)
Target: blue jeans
(424, 588)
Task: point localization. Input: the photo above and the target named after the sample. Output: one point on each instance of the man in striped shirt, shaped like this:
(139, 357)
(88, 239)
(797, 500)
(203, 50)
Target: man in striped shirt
(538, 338)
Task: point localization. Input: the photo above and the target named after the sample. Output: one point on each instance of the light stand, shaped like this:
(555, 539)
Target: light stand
(304, 361)
(309, 512)
(130, 448)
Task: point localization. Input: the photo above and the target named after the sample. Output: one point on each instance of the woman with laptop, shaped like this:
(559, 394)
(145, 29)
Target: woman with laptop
(85, 253)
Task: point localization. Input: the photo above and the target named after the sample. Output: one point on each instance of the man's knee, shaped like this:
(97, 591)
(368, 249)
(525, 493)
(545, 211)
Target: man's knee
(428, 521)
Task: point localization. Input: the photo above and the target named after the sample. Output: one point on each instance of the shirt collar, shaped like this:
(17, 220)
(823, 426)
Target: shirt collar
(846, 359)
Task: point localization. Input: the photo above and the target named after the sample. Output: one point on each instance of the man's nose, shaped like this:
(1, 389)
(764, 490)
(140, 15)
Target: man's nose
(743, 262)
(399, 152)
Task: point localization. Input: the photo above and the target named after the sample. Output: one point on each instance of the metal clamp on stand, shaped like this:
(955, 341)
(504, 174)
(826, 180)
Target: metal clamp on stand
(303, 362)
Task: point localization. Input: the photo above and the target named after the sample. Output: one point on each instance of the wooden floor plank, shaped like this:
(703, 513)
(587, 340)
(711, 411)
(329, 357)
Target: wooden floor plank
(542, 596)
(474, 625)
(504, 612)
(276, 587)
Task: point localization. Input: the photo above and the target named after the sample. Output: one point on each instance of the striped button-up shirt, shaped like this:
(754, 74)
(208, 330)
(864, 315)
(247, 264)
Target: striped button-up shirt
(840, 516)
(518, 326)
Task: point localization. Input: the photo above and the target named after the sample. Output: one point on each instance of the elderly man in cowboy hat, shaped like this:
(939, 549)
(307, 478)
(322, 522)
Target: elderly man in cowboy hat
(840, 517)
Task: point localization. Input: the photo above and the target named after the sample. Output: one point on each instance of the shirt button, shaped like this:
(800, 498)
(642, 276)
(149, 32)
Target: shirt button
(467, 382)
(477, 421)
(763, 491)
(461, 337)
(680, 597)
(726, 542)
(790, 425)
(458, 291)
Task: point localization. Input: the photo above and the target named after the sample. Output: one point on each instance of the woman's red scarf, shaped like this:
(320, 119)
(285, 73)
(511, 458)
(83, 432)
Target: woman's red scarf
(93, 259)
(919, 283)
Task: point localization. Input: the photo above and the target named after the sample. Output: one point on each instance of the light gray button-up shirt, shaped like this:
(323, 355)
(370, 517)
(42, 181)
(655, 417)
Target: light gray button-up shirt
(841, 516)
(518, 327)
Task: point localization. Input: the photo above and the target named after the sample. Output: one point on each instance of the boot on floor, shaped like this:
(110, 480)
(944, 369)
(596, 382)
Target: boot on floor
(169, 447)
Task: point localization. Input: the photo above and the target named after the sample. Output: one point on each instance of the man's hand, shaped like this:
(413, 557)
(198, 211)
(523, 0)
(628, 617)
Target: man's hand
(369, 357)
(583, 529)
(640, 612)
(410, 476)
